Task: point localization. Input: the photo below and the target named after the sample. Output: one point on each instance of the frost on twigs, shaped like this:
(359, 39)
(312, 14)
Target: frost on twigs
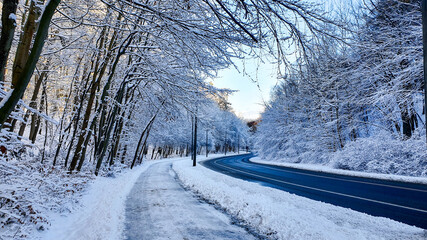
(383, 154)
(28, 191)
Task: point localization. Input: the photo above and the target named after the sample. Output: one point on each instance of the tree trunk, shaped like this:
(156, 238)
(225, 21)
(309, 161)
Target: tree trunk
(61, 132)
(18, 92)
(76, 120)
(96, 80)
(406, 121)
(46, 126)
(33, 102)
(84, 137)
(25, 40)
(141, 138)
(84, 127)
(8, 22)
(340, 141)
(36, 121)
(24, 45)
(122, 49)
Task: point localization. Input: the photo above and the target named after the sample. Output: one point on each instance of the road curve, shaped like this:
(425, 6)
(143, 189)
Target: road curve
(403, 202)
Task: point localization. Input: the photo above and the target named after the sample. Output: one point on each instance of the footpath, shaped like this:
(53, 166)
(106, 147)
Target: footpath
(158, 207)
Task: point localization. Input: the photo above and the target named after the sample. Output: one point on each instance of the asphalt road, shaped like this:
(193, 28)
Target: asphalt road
(403, 202)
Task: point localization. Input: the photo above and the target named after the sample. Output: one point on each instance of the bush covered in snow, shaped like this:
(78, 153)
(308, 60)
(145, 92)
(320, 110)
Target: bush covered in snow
(378, 154)
(383, 155)
(29, 190)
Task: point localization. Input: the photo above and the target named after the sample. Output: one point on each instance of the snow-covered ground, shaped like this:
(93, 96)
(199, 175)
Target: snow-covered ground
(101, 210)
(98, 212)
(278, 214)
(29, 190)
(380, 154)
(158, 207)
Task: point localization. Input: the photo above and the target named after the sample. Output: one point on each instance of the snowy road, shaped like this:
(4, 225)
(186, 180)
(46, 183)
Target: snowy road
(404, 202)
(159, 208)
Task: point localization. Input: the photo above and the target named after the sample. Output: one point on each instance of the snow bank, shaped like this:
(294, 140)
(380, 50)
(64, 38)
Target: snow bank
(377, 154)
(29, 190)
(12, 16)
(281, 215)
(102, 211)
(383, 155)
(41, 202)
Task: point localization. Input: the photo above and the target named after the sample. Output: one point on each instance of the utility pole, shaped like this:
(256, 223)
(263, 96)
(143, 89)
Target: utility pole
(195, 141)
(238, 143)
(225, 143)
(424, 14)
(192, 137)
(207, 131)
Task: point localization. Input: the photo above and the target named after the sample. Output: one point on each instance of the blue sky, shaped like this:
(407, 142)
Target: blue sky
(253, 84)
(248, 102)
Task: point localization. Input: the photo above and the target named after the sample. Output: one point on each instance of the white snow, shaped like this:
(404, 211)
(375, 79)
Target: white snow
(101, 215)
(328, 169)
(12, 16)
(5, 98)
(278, 214)
(158, 207)
(270, 212)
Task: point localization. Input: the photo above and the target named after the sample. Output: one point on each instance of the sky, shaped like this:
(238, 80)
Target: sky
(248, 102)
(253, 82)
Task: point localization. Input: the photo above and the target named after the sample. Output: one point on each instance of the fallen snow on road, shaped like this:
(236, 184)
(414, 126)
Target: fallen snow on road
(102, 211)
(282, 215)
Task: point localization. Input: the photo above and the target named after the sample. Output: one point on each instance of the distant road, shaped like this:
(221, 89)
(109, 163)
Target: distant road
(403, 202)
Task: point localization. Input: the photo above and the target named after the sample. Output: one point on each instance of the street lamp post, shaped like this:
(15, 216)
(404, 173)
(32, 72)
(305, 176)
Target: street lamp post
(195, 141)
(225, 143)
(424, 16)
(207, 131)
(192, 137)
(238, 143)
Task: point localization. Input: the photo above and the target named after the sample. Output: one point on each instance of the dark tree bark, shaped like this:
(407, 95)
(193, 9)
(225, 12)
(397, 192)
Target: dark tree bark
(424, 17)
(96, 80)
(25, 40)
(406, 122)
(36, 120)
(22, 84)
(33, 102)
(141, 138)
(7, 31)
(122, 50)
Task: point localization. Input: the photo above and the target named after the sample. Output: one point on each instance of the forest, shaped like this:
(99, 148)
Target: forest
(356, 104)
(92, 87)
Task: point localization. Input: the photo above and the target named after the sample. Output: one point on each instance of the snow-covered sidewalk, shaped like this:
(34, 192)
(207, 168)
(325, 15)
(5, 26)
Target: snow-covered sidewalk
(146, 202)
(281, 215)
(159, 208)
(100, 214)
